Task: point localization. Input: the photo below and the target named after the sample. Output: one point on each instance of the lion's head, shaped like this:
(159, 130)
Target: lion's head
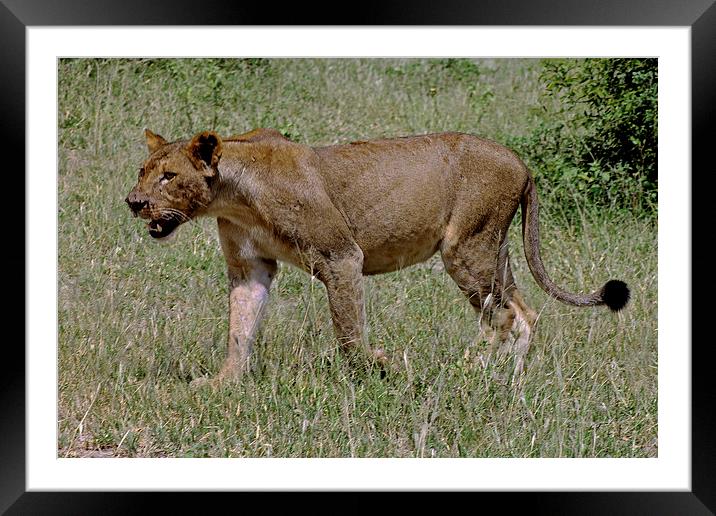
(175, 181)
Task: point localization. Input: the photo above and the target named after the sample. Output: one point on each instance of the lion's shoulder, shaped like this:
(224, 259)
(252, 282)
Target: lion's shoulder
(256, 135)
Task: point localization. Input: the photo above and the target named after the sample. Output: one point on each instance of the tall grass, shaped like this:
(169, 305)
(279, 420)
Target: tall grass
(138, 321)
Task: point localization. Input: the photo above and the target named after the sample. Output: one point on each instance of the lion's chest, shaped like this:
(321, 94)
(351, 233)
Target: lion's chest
(250, 238)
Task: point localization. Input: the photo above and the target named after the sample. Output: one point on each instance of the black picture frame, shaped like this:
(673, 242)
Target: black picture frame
(16, 15)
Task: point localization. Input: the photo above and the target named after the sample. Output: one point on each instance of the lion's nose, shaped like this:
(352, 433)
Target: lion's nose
(134, 203)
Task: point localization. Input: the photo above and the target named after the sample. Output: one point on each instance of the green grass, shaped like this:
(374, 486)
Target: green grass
(138, 321)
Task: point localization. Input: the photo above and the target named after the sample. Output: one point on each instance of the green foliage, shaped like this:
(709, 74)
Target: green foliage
(597, 142)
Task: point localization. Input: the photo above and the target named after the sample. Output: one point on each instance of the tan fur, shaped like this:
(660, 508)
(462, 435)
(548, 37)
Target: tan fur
(344, 211)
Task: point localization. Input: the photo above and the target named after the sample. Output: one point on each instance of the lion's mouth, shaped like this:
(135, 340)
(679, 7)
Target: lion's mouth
(160, 228)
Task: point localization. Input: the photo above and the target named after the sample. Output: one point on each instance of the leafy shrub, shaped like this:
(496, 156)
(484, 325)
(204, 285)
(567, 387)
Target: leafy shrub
(597, 139)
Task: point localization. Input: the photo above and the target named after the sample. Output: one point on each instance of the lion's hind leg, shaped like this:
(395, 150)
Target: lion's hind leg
(480, 267)
(472, 263)
(522, 327)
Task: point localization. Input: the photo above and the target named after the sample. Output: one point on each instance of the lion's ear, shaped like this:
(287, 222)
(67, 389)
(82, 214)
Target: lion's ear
(205, 150)
(154, 141)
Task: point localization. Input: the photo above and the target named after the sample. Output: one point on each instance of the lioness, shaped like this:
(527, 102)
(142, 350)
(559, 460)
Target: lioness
(343, 211)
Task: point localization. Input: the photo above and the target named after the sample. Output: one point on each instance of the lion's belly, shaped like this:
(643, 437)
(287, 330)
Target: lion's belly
(399, 228)
(400, 233)
(395, 257)
(387, 249)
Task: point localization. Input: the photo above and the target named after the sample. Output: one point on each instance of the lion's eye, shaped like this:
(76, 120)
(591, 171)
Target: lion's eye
(166, 177)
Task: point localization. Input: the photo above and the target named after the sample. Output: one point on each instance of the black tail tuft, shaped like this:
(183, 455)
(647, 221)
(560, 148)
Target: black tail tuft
(615, 295)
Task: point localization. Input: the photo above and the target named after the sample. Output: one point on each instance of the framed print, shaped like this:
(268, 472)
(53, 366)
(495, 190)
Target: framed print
(80, 79)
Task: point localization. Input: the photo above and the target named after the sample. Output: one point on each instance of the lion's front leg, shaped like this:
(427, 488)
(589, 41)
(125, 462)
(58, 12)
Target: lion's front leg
(249, 285)
(343, 279)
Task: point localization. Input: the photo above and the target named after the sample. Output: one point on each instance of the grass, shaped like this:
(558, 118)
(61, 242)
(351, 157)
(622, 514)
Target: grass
(138, 321)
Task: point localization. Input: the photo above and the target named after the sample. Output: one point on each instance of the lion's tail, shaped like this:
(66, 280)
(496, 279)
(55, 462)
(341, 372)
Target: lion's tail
(614, 293)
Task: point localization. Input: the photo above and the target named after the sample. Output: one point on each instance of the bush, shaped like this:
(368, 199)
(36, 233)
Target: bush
(597, 141)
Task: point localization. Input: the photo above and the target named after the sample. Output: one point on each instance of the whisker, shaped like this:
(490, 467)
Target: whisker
(173, 210)
(183, 217)
(159, 213)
